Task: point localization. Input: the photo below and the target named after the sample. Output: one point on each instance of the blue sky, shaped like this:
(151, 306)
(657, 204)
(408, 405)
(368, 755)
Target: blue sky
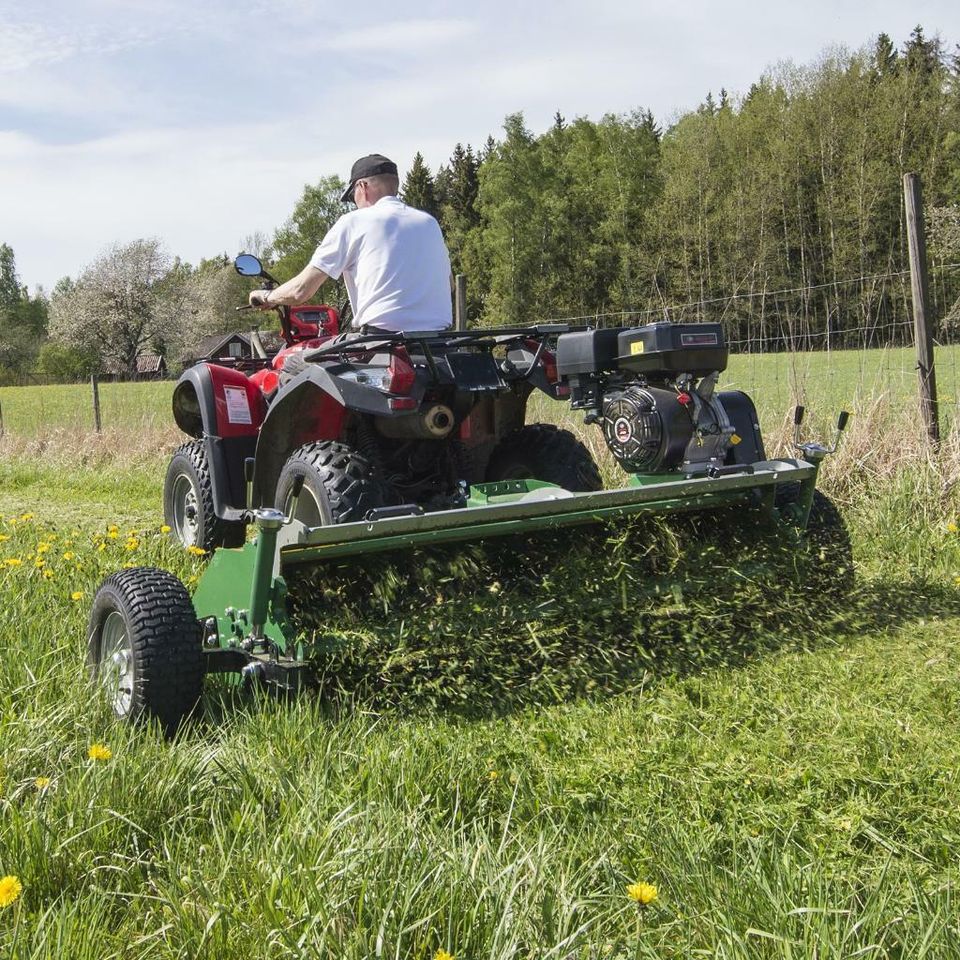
(200, 122)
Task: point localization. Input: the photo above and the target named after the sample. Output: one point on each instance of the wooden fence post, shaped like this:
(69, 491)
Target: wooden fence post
(96, 401)
(460, 303)
(1, 421)
(922, 315)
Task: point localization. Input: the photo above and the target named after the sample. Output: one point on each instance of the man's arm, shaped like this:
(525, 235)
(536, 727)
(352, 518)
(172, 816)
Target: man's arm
(298, 290)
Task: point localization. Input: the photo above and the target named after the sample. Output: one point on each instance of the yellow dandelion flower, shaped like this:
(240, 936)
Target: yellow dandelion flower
(38, 563)
(76, 595)
(43, 547)
(166, 528)
(113, 534)
(192, 579)
(26, 517)
(952, 527)
(442, 954)
(492, 775)
(196, 551)
(13, 562)
(4, 537)
(41, 783)
(98, 751)
(102, 547)
(133, 543)
(69, 555)
(10, 888)
(129, 566)
(642, 893)
(112, 528)
(48, 574)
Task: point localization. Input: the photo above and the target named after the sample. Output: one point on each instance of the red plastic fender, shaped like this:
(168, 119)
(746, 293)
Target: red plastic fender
(239, 402)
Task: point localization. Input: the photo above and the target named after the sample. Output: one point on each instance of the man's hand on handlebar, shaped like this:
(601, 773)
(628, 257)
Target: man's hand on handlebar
(258, 300)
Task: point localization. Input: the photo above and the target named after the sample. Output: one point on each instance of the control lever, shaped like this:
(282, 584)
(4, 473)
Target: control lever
(295, 491)
(248, 465)
(813, 450)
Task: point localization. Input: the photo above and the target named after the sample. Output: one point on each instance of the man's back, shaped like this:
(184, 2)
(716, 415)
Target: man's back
(394, 263)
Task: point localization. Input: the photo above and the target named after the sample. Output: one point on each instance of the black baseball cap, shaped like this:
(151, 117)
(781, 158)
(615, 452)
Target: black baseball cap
(370, 166)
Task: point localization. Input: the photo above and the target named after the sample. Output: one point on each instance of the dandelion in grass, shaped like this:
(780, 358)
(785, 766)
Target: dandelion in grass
(129, 566)
(642, 893)
(113, 534)
(41, 783)
(99, 751)
(493, 776)
(39, 563)
(26, 517)
(196, 551)
(76, 595)
(133, 543)
(166, 528)
(69, 555)
(952, 527)
(13, 562)
(47, 574)
(4, 537)
(442, 954)
(43, 548)
(10, 888)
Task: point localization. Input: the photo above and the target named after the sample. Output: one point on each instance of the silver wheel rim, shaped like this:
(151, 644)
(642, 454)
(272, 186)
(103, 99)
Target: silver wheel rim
(308, 509)
(116, 668)
(186, 511)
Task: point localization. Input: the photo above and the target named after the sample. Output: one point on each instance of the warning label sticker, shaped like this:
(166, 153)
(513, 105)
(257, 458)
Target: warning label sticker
(238, 407)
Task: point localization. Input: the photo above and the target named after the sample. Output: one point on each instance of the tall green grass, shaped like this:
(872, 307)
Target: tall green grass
(780, 765)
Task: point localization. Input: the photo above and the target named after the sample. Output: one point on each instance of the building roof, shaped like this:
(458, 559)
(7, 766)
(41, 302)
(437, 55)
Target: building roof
(211, 345)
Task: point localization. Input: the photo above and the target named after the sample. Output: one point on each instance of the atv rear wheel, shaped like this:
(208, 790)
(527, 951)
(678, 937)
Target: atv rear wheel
(541, 451)
(144, 647)
(188, 502)
(338, 484)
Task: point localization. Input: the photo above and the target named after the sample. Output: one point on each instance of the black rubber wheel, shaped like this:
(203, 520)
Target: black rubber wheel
(188, 503)
(541, 451)
(144, 647)
(338, 484)
(829, 539)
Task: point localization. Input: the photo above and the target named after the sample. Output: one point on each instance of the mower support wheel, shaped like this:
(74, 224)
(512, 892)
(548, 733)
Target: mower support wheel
(338, 484)
(541, 451)
(144, 647)
(188, 502)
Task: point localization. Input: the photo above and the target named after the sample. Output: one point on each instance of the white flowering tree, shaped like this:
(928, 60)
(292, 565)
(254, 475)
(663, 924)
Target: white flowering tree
(128, 302)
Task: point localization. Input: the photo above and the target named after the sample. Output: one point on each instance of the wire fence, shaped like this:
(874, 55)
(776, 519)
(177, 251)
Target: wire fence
(845, 343)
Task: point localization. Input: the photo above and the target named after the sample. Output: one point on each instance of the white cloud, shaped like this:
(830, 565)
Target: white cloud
(403, 37)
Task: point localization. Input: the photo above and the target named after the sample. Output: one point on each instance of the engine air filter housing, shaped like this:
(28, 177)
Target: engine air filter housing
(646, 429)
(666, 349)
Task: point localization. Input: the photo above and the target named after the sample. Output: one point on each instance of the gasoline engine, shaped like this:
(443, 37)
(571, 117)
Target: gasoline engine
(652, 390)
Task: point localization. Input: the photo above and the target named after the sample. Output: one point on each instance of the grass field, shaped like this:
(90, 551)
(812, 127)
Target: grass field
(788, 781)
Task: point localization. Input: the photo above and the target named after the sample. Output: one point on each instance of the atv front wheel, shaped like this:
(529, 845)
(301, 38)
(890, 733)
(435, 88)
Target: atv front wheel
(144, 647)
(188, 502)
(541, 451)
(338, 484)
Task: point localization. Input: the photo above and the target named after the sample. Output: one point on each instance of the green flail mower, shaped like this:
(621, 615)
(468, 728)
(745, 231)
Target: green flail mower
(683, 445)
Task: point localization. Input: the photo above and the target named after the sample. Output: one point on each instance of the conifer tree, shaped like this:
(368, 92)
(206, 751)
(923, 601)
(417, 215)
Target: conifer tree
(418, 187)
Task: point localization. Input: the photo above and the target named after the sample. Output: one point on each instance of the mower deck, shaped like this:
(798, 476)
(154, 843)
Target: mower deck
(241, 596)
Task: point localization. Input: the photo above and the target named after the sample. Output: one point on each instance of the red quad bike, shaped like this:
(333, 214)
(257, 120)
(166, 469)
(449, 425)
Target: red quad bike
(372, 427)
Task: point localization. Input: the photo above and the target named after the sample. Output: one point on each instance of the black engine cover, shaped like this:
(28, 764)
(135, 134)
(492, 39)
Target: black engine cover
(646, 429)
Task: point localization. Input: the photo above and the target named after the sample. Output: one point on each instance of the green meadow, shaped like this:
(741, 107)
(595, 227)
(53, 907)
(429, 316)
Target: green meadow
(778, 767)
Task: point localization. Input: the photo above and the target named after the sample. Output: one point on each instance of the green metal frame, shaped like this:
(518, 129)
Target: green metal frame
(241, 597)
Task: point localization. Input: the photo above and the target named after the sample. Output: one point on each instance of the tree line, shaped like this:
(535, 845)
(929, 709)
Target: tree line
(794, 186)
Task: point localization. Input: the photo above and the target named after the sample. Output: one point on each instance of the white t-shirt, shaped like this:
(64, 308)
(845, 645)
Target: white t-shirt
(395, 264)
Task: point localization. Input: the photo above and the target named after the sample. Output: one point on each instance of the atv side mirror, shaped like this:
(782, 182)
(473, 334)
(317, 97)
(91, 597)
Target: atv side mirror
(247, 265)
